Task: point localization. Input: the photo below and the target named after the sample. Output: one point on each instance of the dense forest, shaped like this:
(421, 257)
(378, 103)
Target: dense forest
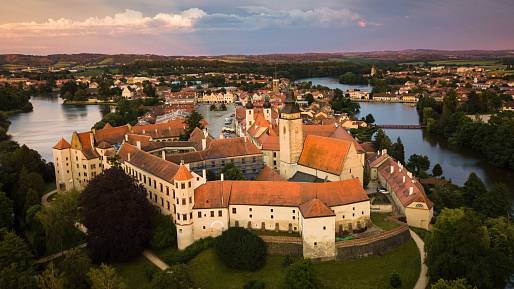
(14, 99)
(493, 140)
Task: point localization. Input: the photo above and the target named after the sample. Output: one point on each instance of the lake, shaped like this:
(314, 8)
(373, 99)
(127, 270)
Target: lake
(457, 164)
(42, 128)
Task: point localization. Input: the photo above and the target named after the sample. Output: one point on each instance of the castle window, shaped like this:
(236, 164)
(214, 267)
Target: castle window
(161, 187)
(189, 184)
(173, 193)
(191, 216)
(272, 210)
(250, 216)
(183, 201)
(343, 216)
(272, 216)
(199, 214)
(167, 191)
(353, 214)
(324, 227)
(184, 217)
(354, 208)
(294, 217)
(233, 210)
(67, 164)
(154, 184)
(178, 216)
(177, 201)
(162, 202)
(190, 200)
(212, 213)
(204, 227)
(182, 186)
(180, 230)
(220, 213)
(315, 243)
(363, 212)
(168, 203)
(294, 211)
(250, 209)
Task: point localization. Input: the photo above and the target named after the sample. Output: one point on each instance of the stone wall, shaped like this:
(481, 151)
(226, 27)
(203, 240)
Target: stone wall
(283, 245)
(373, 245)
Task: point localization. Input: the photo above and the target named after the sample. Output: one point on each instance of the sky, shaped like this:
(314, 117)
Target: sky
(217, 27)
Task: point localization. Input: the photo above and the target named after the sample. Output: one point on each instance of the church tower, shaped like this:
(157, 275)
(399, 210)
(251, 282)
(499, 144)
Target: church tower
(291, 136)
(250, 117)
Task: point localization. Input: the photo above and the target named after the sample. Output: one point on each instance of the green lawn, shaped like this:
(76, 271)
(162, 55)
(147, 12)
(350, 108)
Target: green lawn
(423, 234)
(134, 273)
(371, 272)
(379, 219)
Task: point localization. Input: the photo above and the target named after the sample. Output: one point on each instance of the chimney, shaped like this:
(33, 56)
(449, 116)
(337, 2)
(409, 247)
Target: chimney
(128, 157)
(392, 169)
(204, 174)
(411, 191)
(138, 144)
(163, 154)
(403, 179)
(126, 137)
(204, 143)
(144, 131)
(384, 151)
(222, 177)
(409, 174)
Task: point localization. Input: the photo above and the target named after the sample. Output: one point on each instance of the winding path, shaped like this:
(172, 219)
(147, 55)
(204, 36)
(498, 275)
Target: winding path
(423, 278)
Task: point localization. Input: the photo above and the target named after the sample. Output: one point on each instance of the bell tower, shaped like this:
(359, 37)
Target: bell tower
(290, 136)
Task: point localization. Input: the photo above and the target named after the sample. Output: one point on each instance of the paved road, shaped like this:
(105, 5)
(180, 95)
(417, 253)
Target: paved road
(423, 278)
(150, 256)
(45, 197)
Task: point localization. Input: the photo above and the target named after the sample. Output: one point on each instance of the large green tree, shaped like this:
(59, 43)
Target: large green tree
(418, 165)
(494, 203)
(117, 215)
(16, 262)
(231, 172)
(381, 140)
(473, 188)
(75, 266)
(241, 249)
(301, 275)
(176, 277)
(397, 151)
(192, 121)
(6, 211)
(105, 277)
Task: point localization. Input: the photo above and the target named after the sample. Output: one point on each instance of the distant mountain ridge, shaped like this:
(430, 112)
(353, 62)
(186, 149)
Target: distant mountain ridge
(92, 59)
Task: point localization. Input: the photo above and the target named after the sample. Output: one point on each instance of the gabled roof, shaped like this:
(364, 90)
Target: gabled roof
(324, 153)
(315, 209)
(154, 165)
(62, 144)
(269, 193)
(112, 135)
(268, 174)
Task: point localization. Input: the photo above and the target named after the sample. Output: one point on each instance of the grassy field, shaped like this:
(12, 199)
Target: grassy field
(423, 234)
(134, 273)
(464, 62)
(379, 219)
(370, 272)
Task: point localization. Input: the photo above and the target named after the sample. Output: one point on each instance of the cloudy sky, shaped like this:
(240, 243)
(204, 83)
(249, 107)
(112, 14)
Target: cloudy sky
(213, 27)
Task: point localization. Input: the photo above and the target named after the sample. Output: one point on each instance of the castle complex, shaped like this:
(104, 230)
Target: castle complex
(304, 179)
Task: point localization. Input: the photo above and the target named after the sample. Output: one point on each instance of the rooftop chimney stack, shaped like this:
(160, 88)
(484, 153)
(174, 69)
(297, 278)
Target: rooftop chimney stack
(128, 157)
(204, 174)
(411, 191)
(392, 169)
(163, 154)
(222, 177)
(403, 179)
(138, 144)
(204, 143)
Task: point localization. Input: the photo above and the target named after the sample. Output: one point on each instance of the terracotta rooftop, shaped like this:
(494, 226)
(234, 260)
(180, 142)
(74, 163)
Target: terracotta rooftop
(324, 153)
(112, 135)
(183, 174)
(154, 165)
(268, 174)
(62, 144)
(315, 209)
(269, 193)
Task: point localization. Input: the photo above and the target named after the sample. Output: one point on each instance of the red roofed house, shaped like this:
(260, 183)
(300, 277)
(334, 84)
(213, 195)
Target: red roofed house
(406, 191)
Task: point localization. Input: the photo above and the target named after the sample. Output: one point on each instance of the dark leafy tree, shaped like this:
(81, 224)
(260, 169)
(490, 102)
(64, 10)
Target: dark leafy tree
(369, 119)
(397, 151)
(473, 188)
(437, 170)
(59, 221)
(192, 121)
(51, 278)
(418, 165)
(301, 275)
(342, 104)
(75, 266)
(241, 249)
(231, 172)
(6, 212)
(16, 262)
(117, 215)
(105, 277)
(165, 232)
(382, 141)
(494, 203)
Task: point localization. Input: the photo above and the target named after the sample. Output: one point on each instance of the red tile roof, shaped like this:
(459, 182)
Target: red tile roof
(62, 144)
(112, 135)
(153, 165)
(269, 193)
(183, 174)
(324, 153)
(315, 209)
(268, 174)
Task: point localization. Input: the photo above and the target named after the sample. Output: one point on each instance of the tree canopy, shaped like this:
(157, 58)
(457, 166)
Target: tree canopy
(241, 249)
(117, 215)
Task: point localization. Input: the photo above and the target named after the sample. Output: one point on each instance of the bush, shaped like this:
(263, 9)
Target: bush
(254, 284)
(288, 260)
(395, 280)
(165, 232)
(179, 257)
(241, 249)
(150, 271)
(301, 275)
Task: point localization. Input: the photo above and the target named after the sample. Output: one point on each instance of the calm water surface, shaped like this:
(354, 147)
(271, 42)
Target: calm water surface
(50, 120)
(457, 163)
